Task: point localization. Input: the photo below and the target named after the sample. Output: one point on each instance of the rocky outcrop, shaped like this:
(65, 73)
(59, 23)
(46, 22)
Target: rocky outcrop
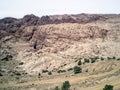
(13, 26)
(52, 41)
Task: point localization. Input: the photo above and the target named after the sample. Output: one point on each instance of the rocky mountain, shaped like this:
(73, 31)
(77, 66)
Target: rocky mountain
(32, 46)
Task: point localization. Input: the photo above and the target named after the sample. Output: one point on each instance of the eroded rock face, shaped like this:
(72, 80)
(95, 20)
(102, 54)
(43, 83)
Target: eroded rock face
(50, 42)
(58, 44)
(55, 35)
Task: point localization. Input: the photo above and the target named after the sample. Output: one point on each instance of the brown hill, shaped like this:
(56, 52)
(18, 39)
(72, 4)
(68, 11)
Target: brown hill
(33, 45)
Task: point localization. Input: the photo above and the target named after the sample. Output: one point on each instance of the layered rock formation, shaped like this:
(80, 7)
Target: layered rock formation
(52, 41)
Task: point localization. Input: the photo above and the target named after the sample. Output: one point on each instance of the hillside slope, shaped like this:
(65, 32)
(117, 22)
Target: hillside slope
(32, 46)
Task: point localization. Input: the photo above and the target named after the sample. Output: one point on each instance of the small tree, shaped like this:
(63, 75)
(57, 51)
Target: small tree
(49, 73)
(66, 85)
(77, 70)
(108, 87)
(79, 62)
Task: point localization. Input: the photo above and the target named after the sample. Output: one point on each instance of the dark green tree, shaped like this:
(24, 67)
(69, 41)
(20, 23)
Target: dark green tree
(77, 70)
(108, 87)
(66, 85)
(79, 62)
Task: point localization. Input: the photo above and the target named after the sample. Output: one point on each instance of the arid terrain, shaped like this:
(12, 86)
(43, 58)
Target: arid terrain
(40, 53)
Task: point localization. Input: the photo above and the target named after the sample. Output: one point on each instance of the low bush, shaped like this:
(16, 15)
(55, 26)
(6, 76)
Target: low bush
(86, 60)
(93, 60)
(79, 62)
(102, 58)
(17, 73)
(49, 73)
(109, 58)
(108, 87)
(1, 74)
(61, 71)
(70, 69)
(118, 59)
(21, 63)
(56, 88)
(77, 70)
(66, 85)
(114, 57)
(39, 75)
(44, 71)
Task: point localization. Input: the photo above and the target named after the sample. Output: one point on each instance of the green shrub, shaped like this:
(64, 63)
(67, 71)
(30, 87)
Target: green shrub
(61, 71)
(70, 69)
(49, 73)
(108, 87)
(79, 62)
(56, 88)
(44, 71)
(21, 63)
(86, 60)
(93, 60)
(77, 70)
(66, 85)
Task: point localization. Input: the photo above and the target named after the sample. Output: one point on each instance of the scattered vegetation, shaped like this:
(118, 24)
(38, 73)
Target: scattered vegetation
(66, 85)
(49, 73)
(21, 63)
(44, 71)
(93, 60)
(17, 73)
(86, 60)
(61, 71)
(109, 58)
(6, 57)
(108, 87)
(56, 88)
(1, 74)
(39, 75)
(70, 69)
(77, 70)
(118, 59)
(79, 62)
(114, 57)
(102, 58)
